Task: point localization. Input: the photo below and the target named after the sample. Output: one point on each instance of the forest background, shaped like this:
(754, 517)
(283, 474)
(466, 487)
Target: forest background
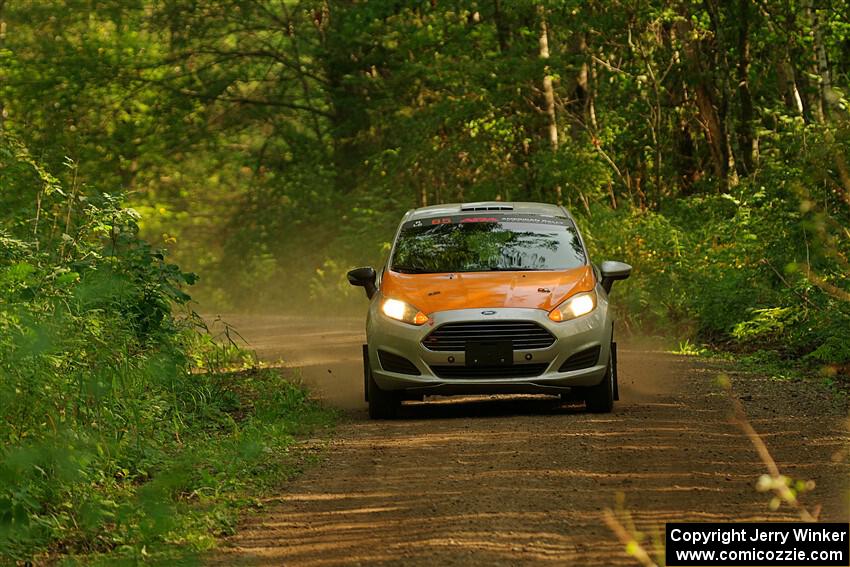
(267, 146)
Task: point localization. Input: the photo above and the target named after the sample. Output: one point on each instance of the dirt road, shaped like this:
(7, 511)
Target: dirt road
(522, 480)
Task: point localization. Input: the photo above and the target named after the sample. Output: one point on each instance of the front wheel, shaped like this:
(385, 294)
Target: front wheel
(600, 398)
(382, 404)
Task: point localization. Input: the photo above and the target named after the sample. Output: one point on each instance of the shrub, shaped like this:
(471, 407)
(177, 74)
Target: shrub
(105, 423)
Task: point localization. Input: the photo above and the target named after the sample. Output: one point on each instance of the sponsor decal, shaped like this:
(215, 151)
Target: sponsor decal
(503, 219)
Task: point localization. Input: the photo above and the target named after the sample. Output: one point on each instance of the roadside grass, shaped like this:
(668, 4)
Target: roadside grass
(194, 489)
(125, 434)
(834, 377)
(775, 366)
(687, 348)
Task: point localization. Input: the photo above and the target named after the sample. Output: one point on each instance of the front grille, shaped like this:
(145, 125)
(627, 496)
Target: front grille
(515, 371)
(395, 363)
(584, 359)
(524, 335)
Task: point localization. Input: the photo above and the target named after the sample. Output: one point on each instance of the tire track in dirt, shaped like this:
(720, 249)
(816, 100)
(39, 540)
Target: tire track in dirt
(523, 480)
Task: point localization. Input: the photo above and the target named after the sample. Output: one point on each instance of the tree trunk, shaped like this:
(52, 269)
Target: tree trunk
(746, 139)
(302, 78)
(787, 78)
(712, 121)
(501, 29)
(785, 73)
(684, 158)
(2, 44)
(577, 88)
(714, 131)
(548, 92)
(818, 101)
(582, 89)
(825, 94)
(591, 99)
(347, 118)
(720, 71)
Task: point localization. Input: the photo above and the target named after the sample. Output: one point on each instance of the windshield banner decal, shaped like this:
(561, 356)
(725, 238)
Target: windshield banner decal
(505, 219)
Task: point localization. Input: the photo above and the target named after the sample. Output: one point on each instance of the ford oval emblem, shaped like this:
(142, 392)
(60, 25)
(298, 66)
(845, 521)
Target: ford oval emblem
(488, 312)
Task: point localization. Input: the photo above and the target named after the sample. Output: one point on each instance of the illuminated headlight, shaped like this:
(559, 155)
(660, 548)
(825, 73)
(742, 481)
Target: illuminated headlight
(574, 307)
(401, 311)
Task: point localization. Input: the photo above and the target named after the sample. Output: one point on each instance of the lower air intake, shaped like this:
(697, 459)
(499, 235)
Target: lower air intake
(581, 360)
(398, 364)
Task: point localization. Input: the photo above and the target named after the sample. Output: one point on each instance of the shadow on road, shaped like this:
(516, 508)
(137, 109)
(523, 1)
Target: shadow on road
(501, 406)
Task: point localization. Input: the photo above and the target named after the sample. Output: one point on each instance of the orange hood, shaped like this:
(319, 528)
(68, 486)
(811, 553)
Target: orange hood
(476, 290)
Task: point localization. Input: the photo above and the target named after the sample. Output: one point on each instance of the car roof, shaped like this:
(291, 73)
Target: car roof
(449, 209)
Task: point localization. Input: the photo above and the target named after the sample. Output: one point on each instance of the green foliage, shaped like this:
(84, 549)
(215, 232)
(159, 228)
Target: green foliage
(687, 348)
(283, 140)
(738, 269)
(834, 348)
(767, 322)
(273, 145)
(107, 432)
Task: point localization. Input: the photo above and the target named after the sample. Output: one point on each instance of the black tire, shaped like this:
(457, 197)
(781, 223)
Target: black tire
(600, 398)
(382, 404)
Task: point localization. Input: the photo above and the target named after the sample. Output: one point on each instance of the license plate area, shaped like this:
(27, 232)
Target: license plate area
(489, 353)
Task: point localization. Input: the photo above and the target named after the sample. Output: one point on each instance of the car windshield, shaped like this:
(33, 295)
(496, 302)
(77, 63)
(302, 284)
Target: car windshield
(485, 244)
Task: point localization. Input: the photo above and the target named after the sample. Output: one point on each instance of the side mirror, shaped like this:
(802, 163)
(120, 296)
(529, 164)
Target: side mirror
(365, 278)
(613, 271)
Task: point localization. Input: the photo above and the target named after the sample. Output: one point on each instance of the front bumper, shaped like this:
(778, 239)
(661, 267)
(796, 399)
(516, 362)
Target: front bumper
(571, 337)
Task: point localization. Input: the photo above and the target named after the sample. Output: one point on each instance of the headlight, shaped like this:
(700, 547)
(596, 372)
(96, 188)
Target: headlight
(401, 311)
(574, 307)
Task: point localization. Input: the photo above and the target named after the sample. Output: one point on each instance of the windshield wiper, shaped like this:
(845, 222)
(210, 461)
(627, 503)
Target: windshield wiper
(410, 270)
